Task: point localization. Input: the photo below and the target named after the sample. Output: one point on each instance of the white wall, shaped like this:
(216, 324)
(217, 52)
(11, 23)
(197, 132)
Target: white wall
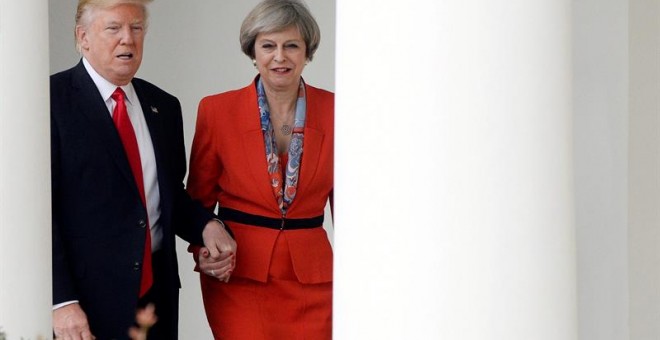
(600, 87)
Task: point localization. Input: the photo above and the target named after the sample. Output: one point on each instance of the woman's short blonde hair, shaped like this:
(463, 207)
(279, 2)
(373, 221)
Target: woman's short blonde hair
(86, 7)
(277, 15)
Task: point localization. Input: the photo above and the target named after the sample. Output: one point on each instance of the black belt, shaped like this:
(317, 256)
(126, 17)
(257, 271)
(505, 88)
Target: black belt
(227, 214)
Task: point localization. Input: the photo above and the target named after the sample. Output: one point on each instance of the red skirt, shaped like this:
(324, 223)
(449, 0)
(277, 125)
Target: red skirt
(281, 308)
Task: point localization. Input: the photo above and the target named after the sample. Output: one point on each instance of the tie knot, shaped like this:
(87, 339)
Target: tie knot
(118, 95)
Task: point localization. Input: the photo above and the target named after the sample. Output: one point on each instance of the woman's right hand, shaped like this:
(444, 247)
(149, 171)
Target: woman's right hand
(221, 268)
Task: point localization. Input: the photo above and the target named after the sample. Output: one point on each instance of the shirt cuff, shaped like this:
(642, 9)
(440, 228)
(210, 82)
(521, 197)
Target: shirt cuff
(60, 305)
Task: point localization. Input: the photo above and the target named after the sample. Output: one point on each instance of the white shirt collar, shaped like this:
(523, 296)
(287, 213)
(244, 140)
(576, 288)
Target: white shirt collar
(106, 88)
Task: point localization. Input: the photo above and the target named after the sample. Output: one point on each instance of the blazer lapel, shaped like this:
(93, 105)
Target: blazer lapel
(252, 143)
(91, 104)
(255, 153)
(310, 158)
(150, 111)
(312, 143)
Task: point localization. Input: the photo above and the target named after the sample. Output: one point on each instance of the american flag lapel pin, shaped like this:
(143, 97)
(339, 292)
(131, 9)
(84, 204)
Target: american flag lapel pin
(154, 109)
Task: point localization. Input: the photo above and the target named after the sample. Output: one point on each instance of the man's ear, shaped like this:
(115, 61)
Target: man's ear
(81, 38)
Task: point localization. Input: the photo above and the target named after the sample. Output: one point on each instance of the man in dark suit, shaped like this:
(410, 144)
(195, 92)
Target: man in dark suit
(118, 163)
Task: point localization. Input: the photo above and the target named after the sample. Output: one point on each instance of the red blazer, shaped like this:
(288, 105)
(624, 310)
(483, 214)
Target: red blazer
(228, 167)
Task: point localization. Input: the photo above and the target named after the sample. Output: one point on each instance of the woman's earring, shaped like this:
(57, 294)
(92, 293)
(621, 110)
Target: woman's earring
(254, 63)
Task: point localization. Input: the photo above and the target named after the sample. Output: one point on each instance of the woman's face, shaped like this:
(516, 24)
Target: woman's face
(281, 58)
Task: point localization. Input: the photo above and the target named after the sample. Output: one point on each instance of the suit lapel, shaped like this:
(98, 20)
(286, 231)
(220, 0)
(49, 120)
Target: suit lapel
(150, 111)
(310, 158)
(92, 106)
(156, 131)
(254, 148)
(312, 143)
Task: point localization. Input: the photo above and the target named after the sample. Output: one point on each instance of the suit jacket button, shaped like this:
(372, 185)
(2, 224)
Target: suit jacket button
(136, 266)
(142, 223)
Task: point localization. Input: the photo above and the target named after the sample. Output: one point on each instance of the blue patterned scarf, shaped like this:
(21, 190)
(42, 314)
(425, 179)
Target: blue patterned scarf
(287, 192)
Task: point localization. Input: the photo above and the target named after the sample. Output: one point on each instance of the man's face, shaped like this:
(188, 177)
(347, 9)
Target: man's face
(112, 41)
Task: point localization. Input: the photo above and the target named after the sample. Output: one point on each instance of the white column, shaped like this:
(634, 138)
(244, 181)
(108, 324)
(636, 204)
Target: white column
(25, 229)
(453, 194)
(644, 171)
(600, 87)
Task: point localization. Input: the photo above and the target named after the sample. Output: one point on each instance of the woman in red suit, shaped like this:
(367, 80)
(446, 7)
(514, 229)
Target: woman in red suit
(264, 155)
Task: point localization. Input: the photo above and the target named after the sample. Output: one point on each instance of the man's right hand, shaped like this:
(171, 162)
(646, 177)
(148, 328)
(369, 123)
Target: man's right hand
(70, 323)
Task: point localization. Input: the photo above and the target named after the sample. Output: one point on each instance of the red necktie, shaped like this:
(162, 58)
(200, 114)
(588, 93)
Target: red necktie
(127, 135)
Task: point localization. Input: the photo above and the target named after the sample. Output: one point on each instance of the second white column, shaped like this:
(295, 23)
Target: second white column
(453, 195)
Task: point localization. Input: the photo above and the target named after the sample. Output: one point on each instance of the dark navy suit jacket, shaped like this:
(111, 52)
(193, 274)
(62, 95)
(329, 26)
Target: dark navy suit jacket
(98, 217)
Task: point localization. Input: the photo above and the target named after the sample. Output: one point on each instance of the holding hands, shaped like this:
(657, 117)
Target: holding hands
(218, 256)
